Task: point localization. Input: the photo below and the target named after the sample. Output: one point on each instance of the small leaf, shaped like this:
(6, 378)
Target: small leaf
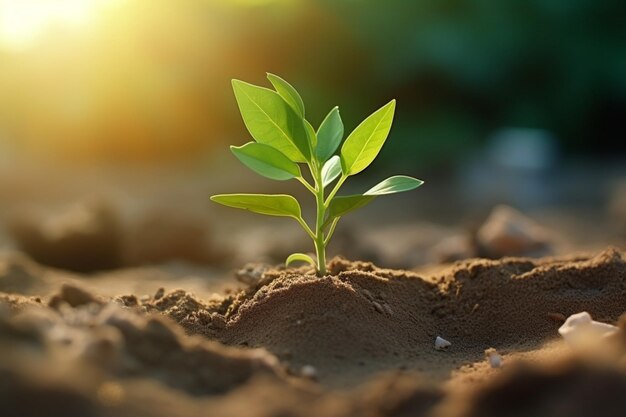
(331, 170)
(270, 120)
(266, 161)
(299, 257)
(329, 135)
(365, 142)
(310, 132)
(288, 93)
(271, 205)
(343, 205)
(395, 184)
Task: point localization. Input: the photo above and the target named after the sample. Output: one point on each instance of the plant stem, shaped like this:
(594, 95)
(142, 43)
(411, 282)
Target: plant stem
(320, 244)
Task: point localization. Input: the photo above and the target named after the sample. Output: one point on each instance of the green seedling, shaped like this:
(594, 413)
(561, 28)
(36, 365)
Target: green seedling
(284, 139)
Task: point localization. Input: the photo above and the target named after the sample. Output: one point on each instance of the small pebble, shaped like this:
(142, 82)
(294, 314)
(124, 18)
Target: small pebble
(579, 330)
(308, 371)
(494, 358)
(74, 296)
(159, 294)
(557, 317)
(441, 343)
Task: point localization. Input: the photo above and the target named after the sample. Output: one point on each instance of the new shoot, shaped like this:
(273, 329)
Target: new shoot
(285, 142)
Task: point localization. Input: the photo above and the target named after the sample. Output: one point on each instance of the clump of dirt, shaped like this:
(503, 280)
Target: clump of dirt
(95, 235)
(361, 319)
(100, 336)
(74, 297)
(568, 389)
(85, 237)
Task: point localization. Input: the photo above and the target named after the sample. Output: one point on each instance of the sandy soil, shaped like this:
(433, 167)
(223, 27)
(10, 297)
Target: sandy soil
(276, 342)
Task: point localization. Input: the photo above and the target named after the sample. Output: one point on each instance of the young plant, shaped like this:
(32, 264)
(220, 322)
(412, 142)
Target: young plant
(284, 139)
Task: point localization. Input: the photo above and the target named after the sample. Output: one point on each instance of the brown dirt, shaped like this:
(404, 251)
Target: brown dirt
(358, 342)
(572, 388)
(362, 319)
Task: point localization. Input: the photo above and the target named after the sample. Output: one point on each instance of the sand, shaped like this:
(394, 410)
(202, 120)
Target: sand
(358, 342)
(362, 319)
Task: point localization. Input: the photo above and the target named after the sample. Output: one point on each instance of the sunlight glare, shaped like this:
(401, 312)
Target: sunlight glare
(22, 22)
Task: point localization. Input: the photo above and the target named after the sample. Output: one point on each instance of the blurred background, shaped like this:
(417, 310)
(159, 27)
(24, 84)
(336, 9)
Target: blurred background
(115, 116)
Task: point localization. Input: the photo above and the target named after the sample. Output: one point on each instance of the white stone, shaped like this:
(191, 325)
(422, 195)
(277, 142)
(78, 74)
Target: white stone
(441, 343)
(308, 371)
(580, 329)
(494, 358)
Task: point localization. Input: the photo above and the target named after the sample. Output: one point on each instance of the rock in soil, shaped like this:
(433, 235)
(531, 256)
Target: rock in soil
(507, 232)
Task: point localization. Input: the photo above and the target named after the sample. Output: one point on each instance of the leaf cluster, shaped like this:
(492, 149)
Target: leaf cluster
(284, 140)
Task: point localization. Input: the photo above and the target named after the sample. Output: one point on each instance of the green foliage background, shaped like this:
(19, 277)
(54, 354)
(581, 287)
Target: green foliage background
(459, 68)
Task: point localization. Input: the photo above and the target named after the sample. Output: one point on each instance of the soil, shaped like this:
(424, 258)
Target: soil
(357, 342)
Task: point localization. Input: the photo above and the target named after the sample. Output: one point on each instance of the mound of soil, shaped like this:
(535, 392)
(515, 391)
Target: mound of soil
(365, 330)
(83, 332)
(361, 319)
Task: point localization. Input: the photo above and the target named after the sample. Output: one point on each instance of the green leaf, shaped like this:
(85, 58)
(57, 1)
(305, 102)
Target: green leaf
(299, 257)
(331, 170)
(310, 132)
(271, 205)
(266, 161)
(271, 121)
(342, 205)
(288, 93)
(395, 184)
(365, 142)
(329, 135)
